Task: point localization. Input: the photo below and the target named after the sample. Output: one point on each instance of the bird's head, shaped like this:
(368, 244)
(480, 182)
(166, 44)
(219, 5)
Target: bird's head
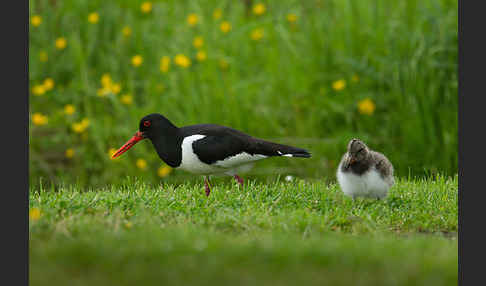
(150, 126)
(357, 151)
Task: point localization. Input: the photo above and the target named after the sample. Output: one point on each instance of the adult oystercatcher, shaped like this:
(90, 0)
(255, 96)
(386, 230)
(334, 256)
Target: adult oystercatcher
(206, 149)
(363, 172)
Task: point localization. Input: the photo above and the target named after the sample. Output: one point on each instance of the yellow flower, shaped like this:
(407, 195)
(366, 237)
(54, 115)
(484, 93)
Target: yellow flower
(93, 18)
(77, 127)
(115, 88)
(127, 31)
(141, 164)
(192, 19)
(259, 9)
(257, 34)
(111, 151)
(43, 57)
(108, 86)
(146, 7)
(126, 99)
(366, 106)
(137, 60)
(355, 78)
(48, 84)
(198, 42)
(61, 43)
(217, 14)
(39, 119)
(225, 27)
(34, 214)
(69, 153)
(339, 84)
(201, 56)
(38, 90)
(36, 20)
(182, 61)
(69, 109)
(291, 18)
(80, 127)
(164, 64)
(106, 80)
(164, 171)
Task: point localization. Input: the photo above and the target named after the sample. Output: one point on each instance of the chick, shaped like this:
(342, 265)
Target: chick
(364, 173)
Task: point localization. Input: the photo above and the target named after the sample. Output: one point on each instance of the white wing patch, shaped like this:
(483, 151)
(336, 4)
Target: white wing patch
(286, 155)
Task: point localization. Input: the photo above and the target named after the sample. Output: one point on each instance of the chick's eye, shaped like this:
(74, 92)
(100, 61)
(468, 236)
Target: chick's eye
(146, 123)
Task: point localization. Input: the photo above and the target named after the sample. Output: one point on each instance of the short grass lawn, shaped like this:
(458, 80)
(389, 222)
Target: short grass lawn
(278, 233)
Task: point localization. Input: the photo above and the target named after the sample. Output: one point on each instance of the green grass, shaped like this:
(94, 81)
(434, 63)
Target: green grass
(403, 52)
(280, 233)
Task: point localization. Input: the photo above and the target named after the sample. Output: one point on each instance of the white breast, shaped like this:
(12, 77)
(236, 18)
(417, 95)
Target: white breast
(191, 163)
(370, 184)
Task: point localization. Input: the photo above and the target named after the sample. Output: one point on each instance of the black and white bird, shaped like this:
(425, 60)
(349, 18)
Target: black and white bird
(364, 173)
(206, 149)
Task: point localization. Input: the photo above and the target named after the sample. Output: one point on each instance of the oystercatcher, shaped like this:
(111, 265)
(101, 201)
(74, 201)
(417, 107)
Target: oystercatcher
(206, 149)
(363, 172)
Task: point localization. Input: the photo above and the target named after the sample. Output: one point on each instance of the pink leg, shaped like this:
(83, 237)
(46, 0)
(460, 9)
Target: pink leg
(239, 179)
(206, 187)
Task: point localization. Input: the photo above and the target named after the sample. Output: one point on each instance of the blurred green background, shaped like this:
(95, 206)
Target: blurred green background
(313, 74)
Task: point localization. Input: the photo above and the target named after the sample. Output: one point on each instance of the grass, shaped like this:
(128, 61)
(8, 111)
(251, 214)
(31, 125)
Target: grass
(401, 55)
(281, 233)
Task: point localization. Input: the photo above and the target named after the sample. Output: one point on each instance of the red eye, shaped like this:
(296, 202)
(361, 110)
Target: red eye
(146, 123)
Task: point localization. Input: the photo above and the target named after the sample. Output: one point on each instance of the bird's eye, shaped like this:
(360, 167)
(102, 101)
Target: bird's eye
(146, 123)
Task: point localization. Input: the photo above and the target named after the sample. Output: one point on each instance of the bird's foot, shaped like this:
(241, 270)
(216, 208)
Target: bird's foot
(206, 187)
(239, 180)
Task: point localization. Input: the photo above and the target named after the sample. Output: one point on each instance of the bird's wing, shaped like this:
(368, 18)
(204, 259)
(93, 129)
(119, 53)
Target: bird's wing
(383, 165)
(224, 143)
(220, 145)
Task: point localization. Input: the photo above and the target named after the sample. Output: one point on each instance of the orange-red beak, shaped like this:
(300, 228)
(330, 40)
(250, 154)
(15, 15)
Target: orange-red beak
(137, 137)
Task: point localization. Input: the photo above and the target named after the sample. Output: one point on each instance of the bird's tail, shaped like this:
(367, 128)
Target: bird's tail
(274, 149)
